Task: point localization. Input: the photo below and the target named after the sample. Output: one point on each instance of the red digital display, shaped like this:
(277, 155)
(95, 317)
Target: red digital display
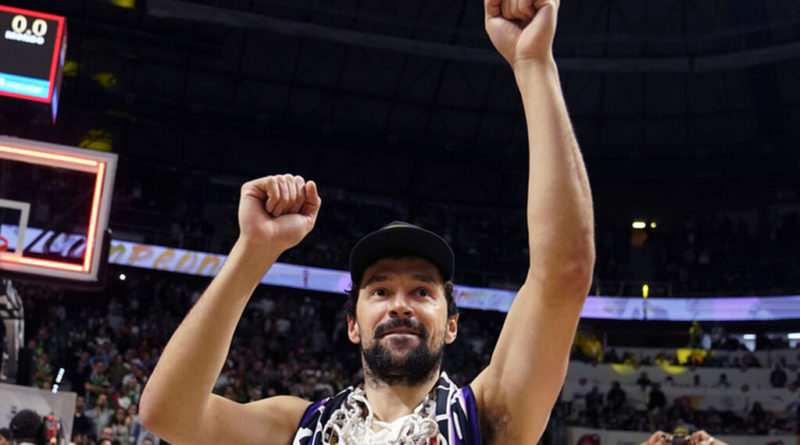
(32, 50)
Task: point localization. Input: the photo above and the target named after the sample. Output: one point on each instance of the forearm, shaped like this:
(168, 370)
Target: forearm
(560, 215)
(95, 389)
(179, 389)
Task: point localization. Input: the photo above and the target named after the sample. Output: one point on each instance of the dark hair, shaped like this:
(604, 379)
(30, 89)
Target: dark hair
(449, 295)
(26, 424)
(6, 433)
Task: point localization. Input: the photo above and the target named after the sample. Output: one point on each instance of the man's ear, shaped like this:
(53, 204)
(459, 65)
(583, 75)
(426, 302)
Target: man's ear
(452, 329)
(353, 330)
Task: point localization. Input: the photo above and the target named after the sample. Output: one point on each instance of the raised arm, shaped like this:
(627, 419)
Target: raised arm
(275, 213)
(517, 390)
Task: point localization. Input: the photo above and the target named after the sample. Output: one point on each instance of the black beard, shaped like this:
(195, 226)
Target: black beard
(412, 369)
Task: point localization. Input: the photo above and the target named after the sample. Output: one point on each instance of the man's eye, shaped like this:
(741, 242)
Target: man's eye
(380, 292)
(423, 292)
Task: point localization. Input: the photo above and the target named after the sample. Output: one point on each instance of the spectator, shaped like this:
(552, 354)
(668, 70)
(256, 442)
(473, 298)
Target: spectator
(655, 406)
(756, 418)
(643, 381)
(106, 433)
(657, 400)
(616, 396)
(131, 414)
(120, 427)
(26, 427)
(117, 370)
(81, 424)
(97, 384)
(43, 375)
(723, 381)
(594, 401)
(695, 335)
(100, 415)
(778, 377)
(82, 370)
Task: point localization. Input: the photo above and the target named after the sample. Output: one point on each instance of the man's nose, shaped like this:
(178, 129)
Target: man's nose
(401, 305)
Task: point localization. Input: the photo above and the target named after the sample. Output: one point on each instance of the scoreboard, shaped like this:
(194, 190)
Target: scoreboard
(32, 50)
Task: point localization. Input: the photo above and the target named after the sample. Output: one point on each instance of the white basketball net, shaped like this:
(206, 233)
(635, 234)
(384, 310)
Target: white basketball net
(353, 421)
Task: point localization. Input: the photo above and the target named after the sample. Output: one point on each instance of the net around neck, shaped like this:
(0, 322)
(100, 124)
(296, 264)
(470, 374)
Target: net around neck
(353, 421)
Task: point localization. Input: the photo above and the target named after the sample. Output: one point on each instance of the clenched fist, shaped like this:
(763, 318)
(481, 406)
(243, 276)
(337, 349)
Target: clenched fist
(278, 211)
(521, 30)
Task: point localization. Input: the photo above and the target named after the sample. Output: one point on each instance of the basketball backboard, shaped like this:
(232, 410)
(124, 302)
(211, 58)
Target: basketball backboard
(54, 208)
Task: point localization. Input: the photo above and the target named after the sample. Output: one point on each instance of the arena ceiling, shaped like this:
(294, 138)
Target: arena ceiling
(408, 97)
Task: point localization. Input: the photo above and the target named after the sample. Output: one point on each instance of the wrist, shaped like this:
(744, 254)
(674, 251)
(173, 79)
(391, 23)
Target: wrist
(254, 256)
(530, 74)
(255, 248)
(527, 65)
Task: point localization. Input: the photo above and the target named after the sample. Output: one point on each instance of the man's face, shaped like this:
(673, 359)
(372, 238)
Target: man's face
(401, 322)
(102, 401)
(80, 403)
(107, 433)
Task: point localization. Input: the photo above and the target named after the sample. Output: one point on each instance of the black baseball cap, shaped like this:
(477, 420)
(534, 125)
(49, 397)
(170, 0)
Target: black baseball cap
(401, 238)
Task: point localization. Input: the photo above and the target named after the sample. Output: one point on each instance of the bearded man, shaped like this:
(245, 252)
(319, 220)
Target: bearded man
(402, 309)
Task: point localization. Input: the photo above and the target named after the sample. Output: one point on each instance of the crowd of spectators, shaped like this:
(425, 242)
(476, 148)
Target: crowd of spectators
(612, 411)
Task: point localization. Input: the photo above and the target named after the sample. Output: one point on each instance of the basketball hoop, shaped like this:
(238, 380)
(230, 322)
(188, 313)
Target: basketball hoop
(3, 244)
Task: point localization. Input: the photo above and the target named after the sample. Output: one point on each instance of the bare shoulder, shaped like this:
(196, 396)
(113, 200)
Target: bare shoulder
(265, 422)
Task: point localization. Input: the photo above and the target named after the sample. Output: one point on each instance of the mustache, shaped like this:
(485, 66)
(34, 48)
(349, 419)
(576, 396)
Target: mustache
(395, 323)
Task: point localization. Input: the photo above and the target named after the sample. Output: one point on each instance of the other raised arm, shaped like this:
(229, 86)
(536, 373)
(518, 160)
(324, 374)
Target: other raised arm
(275, 214)
(517, 390)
